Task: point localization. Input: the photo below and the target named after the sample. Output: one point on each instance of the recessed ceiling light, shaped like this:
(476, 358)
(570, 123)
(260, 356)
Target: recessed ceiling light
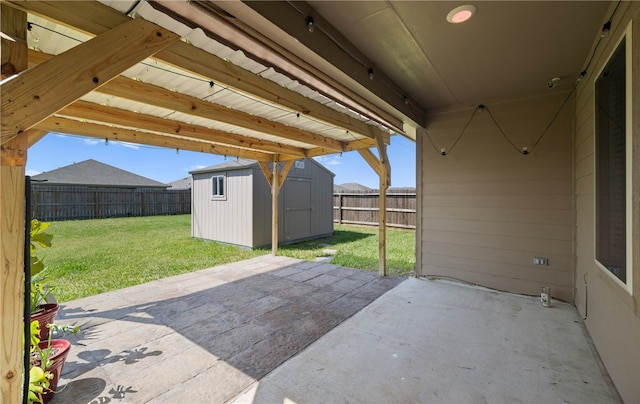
(461, 14)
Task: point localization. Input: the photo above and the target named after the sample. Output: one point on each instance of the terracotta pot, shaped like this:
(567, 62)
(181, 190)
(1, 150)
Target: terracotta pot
(45, 317)
(60, 349)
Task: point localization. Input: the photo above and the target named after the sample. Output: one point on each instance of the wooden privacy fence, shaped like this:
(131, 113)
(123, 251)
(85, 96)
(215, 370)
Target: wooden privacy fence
(363, 208)
(51, 203)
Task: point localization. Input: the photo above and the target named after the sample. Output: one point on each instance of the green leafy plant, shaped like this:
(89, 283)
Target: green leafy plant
(39, 374)
(40, 290)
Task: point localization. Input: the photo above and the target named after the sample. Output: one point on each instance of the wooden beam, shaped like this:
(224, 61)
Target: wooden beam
(94, 130)
(90, 111)
(214, 68)
(34, 136)
(372, 160)
(149, 94)
(13, 159)
(14, 47)
(384, 159)
(382, 223)
(158, 96)
(353, 145)
(224, 26)
(381, 169)
(275, 190)
(48, 87)
(266, 171)
(94, 18)
(285, 171)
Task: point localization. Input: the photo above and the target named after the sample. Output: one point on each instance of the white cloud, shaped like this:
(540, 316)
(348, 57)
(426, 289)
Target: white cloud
(32, 172)
(129, 145)
(91, 142)
(196, 167)
(334, 160)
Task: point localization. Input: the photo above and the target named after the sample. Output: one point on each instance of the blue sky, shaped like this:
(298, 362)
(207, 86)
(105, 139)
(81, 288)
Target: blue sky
(165, 165)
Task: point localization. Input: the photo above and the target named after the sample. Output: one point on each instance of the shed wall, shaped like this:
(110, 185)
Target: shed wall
(230, 219)
(613, 314)
(320, 219)
(487, 210)
(244, 218)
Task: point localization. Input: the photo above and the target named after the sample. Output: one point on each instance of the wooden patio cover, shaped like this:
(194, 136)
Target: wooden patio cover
(92, 90)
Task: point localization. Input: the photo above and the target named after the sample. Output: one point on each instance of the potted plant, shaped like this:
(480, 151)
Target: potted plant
(39, 379)
(47, 361)
(41, 310)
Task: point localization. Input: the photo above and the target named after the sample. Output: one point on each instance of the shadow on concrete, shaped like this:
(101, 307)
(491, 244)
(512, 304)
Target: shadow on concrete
(251, 320)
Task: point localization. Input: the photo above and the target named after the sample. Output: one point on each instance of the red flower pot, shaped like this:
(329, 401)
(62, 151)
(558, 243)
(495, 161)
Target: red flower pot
(45, 317)
(60, 349)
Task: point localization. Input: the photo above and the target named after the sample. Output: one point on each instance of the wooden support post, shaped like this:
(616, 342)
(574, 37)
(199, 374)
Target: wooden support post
(275, 179)
(13, 158)
(385, 181)
(383, 169)
(275, 190)
(382, 223)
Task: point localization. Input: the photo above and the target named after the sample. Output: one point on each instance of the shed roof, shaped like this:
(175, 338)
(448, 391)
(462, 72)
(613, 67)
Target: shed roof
(239, 164)
(94, 173)
(235, 164)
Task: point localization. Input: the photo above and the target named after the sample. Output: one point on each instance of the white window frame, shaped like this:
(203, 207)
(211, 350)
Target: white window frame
(220, 179)
(628, 285)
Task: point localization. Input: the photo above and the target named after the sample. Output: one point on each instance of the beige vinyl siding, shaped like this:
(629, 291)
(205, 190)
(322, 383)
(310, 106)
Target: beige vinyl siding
(487, 209)
(613, 314)
(226, 219)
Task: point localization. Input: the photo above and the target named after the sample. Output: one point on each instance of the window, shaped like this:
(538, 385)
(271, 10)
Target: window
(612, 151)
(217, 186)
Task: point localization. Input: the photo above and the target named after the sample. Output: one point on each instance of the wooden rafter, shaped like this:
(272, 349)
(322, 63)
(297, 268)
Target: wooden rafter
(84, 16)
(32, 96)
(84, 110)
(153, 95)
(242, 141)
(94, 130)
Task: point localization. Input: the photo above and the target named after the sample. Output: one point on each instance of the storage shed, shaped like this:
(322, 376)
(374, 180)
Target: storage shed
(231, 203)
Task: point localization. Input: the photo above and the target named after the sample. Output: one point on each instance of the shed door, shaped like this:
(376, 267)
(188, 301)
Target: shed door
(297, 209)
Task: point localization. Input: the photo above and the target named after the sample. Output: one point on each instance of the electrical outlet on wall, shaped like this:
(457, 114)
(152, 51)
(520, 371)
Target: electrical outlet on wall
(540, 261)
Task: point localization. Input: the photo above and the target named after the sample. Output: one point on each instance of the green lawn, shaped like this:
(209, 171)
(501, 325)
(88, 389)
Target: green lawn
(94, 256)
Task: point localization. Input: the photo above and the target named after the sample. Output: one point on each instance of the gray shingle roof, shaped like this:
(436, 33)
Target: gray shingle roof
(94, 173)
(352, 187)
(227, 165)
(183, 183)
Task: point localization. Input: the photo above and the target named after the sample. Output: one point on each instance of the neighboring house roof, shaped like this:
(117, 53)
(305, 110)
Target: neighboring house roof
(352, 187)
(238, 164)
(94, 173)
(235, 164)
(183, 183)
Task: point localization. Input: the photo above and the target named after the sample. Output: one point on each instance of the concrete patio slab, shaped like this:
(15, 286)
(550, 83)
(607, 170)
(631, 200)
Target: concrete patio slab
(206, 336)
(443, 342)
(280, 330)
